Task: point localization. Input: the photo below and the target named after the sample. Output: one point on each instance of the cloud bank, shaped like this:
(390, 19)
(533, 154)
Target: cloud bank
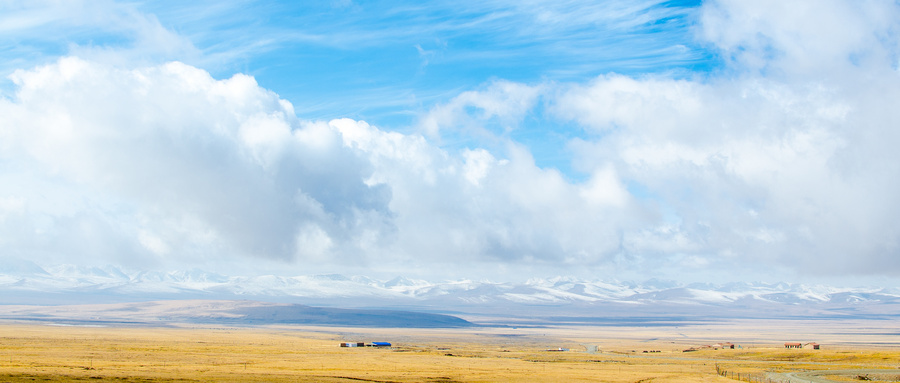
(165, 161)
(783, 158)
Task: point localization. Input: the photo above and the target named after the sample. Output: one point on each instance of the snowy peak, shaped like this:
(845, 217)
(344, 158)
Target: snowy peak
(403, 282)
(17, 267)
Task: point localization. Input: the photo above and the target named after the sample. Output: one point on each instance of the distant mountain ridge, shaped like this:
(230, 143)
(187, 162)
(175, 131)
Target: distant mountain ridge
(239, 313)
(559, 294)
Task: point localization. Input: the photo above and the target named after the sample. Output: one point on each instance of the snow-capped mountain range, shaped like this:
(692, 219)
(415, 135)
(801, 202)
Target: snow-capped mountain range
(23, 282)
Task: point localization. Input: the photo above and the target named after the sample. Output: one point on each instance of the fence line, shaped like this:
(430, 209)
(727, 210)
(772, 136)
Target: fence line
(747, 376)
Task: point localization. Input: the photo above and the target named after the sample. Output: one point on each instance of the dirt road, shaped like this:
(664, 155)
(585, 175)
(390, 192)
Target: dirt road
(818, 376)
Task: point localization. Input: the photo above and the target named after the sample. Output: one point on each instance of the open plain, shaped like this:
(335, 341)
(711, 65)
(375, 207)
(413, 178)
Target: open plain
(852, 350)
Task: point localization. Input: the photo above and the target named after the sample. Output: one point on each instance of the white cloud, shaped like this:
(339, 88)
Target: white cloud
(802, 39)
(502, 101)
(605, 188)
(676, 165)
(100, 30)
(478, 164)
(171, 161)
(473, 207)
(806, 149)
(786, 156)
(796, 128)
(164, 164)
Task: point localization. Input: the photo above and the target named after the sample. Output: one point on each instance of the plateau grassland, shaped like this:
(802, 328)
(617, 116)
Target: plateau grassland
(189, 353)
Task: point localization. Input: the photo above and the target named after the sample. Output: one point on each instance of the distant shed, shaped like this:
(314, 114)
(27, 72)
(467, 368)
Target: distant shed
(793, 345)
(381, 344)
(813, 345)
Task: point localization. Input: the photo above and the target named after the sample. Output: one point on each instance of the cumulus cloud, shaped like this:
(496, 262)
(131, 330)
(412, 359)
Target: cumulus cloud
(165, 161)
(784, 157)
(475, 207)
(501, 106)
(830, 39)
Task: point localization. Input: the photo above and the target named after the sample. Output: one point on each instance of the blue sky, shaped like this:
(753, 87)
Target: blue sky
(494, 138)
(388, 62)
(426, 51)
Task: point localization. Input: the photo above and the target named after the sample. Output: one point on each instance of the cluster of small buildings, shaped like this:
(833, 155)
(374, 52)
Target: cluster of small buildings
(725, 345)
(812, 345)
(363, 344)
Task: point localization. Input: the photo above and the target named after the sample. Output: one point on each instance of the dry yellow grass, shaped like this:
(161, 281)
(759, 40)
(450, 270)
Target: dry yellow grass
(298, 354)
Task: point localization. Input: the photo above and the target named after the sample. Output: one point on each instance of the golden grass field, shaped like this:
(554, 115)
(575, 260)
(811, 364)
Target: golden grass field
(33, 352)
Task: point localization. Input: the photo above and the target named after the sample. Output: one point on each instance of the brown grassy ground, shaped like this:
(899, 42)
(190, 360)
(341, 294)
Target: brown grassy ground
(31, 352)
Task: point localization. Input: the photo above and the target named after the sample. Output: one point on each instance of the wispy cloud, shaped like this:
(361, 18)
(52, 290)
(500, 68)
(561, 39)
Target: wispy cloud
(115, 31)
(292, 47)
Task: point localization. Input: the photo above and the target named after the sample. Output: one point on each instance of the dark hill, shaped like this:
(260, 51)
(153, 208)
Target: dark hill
(300, 314)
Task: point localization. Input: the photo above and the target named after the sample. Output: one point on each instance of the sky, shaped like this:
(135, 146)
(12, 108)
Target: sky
(503, 140)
